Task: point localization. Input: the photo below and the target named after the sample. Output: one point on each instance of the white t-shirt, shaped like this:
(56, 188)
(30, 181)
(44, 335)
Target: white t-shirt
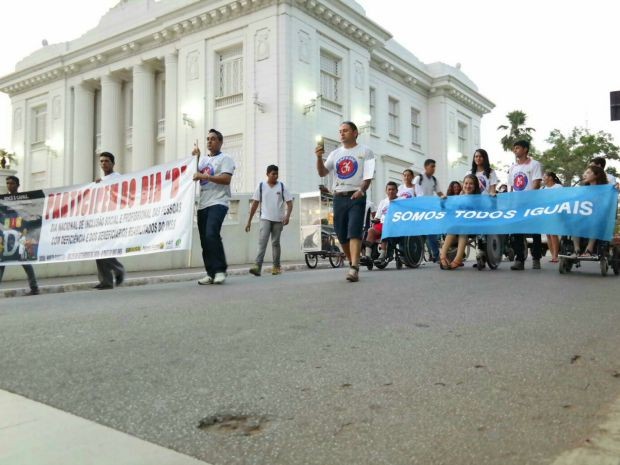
(382, 209)
(210, 192)
(113, 174)
(611, 179)
(429, 186)
(521, 177)
(405, 192)
(272, 200)
(555, 186)
(486, 182)
(351, 167)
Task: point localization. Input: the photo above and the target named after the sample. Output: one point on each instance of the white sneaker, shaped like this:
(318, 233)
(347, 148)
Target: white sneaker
(206, 280)
(219, 278)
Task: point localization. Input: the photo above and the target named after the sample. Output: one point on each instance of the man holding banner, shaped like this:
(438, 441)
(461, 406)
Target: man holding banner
(108, 268)
(214, 172)
(525, 175)
(12, 186)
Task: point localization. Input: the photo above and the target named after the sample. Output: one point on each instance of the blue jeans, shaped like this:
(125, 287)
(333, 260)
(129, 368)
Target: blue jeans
(210, 221)
(433, 244)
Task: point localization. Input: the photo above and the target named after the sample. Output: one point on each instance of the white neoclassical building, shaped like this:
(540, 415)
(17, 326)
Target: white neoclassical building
(154, 76)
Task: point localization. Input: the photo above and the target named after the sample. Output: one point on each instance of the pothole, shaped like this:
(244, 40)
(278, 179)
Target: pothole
(246, 425)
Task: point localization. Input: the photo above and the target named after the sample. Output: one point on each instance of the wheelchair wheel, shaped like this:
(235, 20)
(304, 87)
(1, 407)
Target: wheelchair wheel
(604, 266)
(381, 266)
(411, 249)
(337, 260)
(615, 260)
(312, 260)
(399, 263)
(493, 250)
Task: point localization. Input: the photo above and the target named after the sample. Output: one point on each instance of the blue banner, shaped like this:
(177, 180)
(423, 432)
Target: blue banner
(588, 211)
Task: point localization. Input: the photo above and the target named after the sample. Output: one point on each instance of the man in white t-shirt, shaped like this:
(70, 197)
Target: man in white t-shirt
(374, 233)
(108, 269)
(426, 185)
(601, 162)
(525, 175)
(272, 196)
(215, 172)
(353, 165)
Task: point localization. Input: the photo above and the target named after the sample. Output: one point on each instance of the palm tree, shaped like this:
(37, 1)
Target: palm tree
(516, 130)
(7, 159)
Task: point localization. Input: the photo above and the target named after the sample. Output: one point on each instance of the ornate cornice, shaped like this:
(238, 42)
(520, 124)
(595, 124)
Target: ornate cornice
(449, 86)
(150, 37)
(355, 26)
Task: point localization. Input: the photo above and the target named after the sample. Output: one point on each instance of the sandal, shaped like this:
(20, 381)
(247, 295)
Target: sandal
(444, 264)
(456, 264)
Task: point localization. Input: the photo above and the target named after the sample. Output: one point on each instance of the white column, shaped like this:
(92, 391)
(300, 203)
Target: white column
(171, 115)
(112, 115)
(143, 150)
(83, 134)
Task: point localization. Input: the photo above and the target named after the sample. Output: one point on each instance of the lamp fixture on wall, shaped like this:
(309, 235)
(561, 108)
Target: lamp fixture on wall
(366, 124)
(188, 120)
(260, 106)
(311, 105)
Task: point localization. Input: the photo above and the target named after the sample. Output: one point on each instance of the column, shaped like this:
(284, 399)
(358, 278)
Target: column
(171, 90)
(83, 134)
(144, 131)
(112, 136)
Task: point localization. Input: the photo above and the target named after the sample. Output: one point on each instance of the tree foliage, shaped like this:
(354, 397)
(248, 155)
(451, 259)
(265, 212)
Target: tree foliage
(570, 154)
(7, 159)
(516, 130)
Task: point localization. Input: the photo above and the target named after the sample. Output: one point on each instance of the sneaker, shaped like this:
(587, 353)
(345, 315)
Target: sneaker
(34, 291)
(120, 279)
(255, 270)
(381, 260)
(219, 278)
(535, 264)
(276, 270)
(353, 275)
(517, 266)
(206, 280)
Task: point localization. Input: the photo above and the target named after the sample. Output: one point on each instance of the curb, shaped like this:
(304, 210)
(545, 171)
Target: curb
(142, 281)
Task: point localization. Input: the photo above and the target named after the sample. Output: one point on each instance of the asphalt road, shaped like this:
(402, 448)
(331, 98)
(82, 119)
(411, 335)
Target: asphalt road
(405, 367)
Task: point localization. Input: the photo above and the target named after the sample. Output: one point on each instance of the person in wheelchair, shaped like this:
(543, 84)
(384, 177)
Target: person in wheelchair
(470, 186)
(374, 233)
(592, 176)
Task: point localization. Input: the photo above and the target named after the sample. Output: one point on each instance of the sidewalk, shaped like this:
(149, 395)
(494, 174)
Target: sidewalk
(135, 278)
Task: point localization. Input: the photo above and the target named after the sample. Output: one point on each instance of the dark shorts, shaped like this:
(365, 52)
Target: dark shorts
(349, 217)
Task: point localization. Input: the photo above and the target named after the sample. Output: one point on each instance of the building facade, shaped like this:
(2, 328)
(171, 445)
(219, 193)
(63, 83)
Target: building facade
(271, 75)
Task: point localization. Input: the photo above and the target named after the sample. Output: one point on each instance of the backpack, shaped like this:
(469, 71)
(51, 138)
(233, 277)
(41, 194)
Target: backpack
(260, 196)
(421, 177)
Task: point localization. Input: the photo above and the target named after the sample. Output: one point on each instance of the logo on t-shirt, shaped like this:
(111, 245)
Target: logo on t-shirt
(520, 181)
(405, 195)
(346, 167)
(210, 171)
(483, 182)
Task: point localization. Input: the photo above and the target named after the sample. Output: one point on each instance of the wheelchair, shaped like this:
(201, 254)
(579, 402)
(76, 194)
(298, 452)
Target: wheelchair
(407, 251)
(607, 255)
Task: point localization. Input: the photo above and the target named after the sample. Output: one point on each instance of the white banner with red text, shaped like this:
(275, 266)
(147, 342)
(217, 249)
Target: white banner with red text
(138, 213)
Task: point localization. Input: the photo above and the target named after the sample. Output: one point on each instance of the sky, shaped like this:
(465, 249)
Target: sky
(556, 60)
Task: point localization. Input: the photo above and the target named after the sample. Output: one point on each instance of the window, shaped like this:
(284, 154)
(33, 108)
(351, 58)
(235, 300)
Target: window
(39, 124)
(230, 77)
(331, 74)
(415, 127)
(373, 109)
(462, 138)
(394, 120)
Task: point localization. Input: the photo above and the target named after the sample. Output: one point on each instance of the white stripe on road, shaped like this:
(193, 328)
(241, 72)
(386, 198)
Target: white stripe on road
(602, 448)
(31, 432)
